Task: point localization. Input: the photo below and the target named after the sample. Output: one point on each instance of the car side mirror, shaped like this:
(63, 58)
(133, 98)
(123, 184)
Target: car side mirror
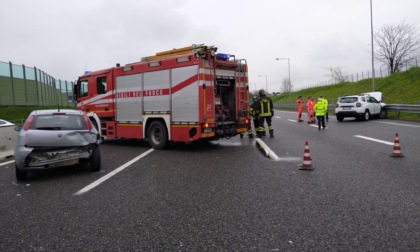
(18, 128)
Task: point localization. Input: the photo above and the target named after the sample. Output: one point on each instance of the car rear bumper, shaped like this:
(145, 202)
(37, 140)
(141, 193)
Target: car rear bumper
(47, 158)
(348, 114)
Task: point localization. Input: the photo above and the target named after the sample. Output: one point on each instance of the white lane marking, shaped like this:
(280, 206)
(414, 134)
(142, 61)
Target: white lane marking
(8, 162)
(374, 140)
(285, 111)
(400, 124)
(278, 117)
(292, 120)
(109, 175)
(268, 151)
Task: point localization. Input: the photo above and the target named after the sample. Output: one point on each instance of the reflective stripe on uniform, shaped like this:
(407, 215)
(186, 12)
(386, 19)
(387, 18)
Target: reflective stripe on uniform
(265, 108)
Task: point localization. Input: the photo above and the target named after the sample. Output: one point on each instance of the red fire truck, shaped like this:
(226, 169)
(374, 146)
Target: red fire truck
(181, 95)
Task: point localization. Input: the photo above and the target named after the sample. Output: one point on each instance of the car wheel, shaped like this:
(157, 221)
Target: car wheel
(340, 118)
(158, 135)
(383, 114)
(366, 115)
(21, 175)
(95, 160)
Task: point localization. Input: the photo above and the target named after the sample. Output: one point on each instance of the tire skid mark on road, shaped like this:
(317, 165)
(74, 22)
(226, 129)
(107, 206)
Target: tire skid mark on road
(109, 175)
(374, 139)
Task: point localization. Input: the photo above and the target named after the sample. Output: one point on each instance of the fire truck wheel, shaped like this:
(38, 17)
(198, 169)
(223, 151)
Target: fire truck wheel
(158, 135)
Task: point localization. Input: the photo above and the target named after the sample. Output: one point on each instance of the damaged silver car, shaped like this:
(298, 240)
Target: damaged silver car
(56, 138)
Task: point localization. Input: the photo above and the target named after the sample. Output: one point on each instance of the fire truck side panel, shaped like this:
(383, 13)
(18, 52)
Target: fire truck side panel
(181, 133)
(129, 98)
(185, 94)
(125, 130)
(207, 109)
(207, 96)
(156, 92)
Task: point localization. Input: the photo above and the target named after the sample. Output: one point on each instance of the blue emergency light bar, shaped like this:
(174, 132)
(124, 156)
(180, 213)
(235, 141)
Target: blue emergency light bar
(222, 56)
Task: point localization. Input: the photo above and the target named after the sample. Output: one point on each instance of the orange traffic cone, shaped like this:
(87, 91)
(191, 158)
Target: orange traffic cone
(306, 159)
(397, 147)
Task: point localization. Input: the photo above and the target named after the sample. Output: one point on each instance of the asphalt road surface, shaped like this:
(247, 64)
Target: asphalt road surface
(227, 196)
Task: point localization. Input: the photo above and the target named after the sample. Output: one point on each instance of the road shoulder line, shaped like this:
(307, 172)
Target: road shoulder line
(374, 139)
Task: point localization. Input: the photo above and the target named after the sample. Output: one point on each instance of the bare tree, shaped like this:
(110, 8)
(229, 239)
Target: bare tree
(337, 74)
(286, 86)
(395, 45)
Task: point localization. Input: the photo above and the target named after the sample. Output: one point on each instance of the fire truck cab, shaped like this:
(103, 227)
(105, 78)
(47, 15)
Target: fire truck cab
(181, 95)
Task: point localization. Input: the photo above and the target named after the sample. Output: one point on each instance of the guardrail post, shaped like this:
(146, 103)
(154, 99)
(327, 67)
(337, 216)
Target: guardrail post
(13, 86)
(36, 84)
(25, 83)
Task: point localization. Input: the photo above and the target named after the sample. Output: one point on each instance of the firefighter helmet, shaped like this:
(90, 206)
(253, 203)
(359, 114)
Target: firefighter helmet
(261, 93)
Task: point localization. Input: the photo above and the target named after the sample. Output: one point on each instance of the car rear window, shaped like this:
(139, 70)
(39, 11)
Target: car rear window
(58, 122)
(348, 99)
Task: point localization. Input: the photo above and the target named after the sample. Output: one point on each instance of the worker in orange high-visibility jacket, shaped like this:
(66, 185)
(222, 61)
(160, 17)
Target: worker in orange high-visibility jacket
(310, 106)
(299, 103)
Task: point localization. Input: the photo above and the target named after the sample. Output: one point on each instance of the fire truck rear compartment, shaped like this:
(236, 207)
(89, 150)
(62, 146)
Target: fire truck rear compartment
(226, 108)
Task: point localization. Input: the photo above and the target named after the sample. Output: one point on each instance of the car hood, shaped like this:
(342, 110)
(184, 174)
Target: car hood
(51, 138)
(377, 95)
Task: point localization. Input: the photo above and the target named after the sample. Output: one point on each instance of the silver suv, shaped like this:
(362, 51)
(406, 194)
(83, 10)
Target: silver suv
(361, 107)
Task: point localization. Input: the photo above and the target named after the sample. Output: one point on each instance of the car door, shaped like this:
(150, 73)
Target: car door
(375, 105)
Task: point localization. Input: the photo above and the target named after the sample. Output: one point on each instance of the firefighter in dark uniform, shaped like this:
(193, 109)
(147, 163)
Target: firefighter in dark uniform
(254, 114)
(265, 113)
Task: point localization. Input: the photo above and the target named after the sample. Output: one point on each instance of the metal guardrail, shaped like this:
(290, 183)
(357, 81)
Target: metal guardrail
(278, 105)
(406, 108)
(414, 109)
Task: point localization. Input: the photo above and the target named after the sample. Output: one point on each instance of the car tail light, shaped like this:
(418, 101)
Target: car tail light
(358, 104)
(28, 123)
(337, 105)
(88, 122)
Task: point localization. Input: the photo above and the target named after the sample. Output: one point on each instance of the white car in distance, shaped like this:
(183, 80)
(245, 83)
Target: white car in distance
(362, 107)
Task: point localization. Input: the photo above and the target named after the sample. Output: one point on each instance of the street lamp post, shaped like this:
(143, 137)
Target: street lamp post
(288, 66)
(266, 85)
(371, 37)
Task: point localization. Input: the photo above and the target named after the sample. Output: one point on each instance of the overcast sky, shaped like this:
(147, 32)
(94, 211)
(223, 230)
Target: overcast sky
(65, 38)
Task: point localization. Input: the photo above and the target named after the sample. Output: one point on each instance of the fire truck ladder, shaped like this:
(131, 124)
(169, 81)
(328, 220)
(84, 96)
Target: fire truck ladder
(243, 92)
(196, 49)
